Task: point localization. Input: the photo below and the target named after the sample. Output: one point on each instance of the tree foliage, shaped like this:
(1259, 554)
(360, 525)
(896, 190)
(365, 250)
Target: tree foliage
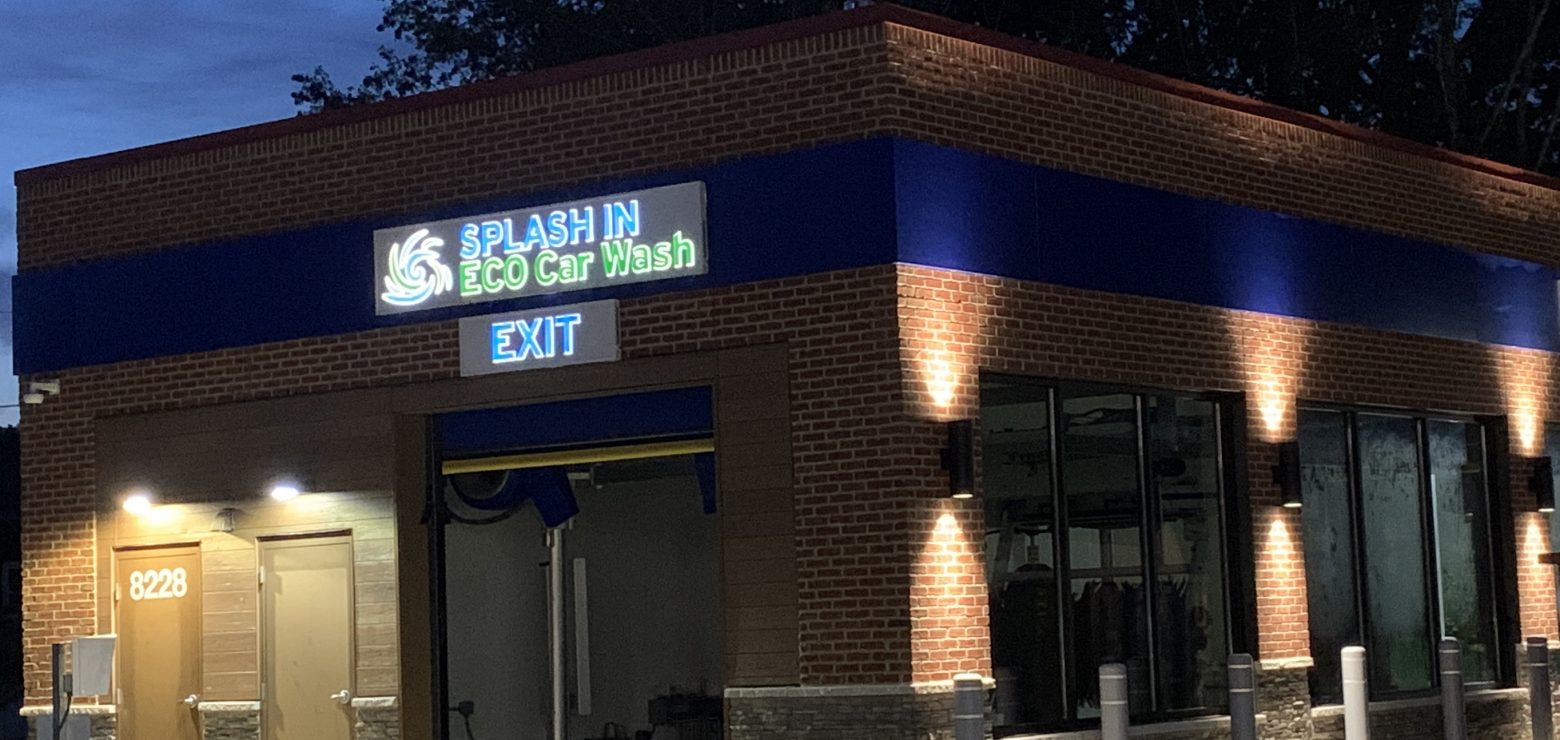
(1477, 76)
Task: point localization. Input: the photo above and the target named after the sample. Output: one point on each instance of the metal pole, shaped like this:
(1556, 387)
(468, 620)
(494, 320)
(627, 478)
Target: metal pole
(1538, 688)
(555, 629)
(1113, 702)
(1454, 717)
(57, 668)
(1243, 698)
(1356, 695)
(969, 707)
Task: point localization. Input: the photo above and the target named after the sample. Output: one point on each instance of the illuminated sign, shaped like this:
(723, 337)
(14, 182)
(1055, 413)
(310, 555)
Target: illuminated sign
(542, 337)
(633, 237)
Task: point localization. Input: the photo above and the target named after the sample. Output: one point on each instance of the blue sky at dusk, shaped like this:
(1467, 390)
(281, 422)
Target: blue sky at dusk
(85, 77)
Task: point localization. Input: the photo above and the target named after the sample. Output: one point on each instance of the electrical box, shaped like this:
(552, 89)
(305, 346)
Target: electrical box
(91, 665)
(77, 727)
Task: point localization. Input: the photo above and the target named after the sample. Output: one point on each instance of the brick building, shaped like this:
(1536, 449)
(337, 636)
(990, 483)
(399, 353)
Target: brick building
(1243, 380)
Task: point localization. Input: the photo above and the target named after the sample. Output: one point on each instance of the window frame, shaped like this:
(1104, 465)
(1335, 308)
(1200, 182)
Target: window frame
(1493, 435)
(1235, 533)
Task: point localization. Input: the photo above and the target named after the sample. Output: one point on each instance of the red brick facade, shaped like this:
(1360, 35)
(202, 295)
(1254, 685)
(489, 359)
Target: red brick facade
(890, 577)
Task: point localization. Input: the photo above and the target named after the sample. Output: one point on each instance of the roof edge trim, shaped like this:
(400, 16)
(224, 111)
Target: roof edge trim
(761, 36)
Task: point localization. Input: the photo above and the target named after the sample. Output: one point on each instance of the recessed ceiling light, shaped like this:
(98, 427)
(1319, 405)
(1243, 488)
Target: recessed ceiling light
(138, 503)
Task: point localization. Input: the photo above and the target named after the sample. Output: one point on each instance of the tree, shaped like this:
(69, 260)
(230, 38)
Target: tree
(1477, 76)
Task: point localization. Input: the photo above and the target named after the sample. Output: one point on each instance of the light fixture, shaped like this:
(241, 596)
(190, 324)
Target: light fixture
(138, 502)
(284, 491)
(38, 390)
(1542, 484)
(1287, 474)
(958, 458)
(224, 521)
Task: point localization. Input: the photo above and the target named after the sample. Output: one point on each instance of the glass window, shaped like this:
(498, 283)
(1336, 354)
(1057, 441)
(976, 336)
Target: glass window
(1552, 451)
(1104, 544)
(1396, 532)
(1400, 639)
(1461, 516)
(1186, 479)
(1329, 545)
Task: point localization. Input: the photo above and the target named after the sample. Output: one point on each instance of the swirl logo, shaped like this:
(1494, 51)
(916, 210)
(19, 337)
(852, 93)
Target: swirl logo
(416, 274)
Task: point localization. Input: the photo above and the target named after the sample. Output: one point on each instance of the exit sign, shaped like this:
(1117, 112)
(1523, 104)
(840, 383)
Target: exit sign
(538, 338)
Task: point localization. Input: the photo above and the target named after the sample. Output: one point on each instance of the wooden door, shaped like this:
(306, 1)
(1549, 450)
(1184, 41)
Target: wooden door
(158, 597)
(306, 638)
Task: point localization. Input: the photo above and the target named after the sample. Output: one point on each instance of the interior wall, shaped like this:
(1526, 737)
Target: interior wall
(496, 595)
(652, 573)
(198, 461)
(230, 657)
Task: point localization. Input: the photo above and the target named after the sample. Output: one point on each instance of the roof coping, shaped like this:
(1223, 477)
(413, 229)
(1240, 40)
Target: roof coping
(762, 36)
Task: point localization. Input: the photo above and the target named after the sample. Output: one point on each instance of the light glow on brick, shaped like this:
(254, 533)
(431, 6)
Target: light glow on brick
(1272, 353)
(949, 632)
(1535, 578)
(940, 379)
(1524, 381)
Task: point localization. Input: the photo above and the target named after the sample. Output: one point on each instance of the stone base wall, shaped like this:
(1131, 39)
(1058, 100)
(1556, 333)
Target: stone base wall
(1284, 700)
(373, 719)
(1494, 715)
(377, 719)
(230, 723)
(103, 725)
(840, 713)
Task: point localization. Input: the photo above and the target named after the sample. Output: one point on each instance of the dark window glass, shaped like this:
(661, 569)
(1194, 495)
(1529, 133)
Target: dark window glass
(1100, 475)
(1552, 450)
(1329, 545)
(1461, 519)
(1026, 620)
(1396, 608)
(1186, 480)
(1403, 502)
(1104, 544)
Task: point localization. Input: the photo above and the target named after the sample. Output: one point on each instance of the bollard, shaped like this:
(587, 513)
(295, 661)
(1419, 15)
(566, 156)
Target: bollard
(1538, 688)
(61, 691)
(969, 707)
(1454, 718)
(1243, 698)
(1356, 695)
(1113, 702)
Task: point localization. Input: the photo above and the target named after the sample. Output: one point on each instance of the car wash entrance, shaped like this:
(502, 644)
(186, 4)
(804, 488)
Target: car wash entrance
(580, 570)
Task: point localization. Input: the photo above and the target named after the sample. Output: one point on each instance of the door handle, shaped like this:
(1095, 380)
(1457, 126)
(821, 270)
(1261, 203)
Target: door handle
(343, 697)
(192, 701)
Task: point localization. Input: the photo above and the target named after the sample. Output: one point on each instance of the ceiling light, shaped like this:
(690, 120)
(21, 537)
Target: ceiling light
(138, 503)
(284, 492)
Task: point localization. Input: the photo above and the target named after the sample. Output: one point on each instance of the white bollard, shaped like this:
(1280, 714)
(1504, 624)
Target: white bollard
(1113, 702)
(1356, 695)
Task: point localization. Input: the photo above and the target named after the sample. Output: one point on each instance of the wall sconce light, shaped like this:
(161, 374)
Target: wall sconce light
(224, 521)
(38, 390)
(1542, 484)
(958, 458)
(1287, 473)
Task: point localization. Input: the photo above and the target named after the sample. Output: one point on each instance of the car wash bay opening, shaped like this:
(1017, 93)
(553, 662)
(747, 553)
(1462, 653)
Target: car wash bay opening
(577, 555)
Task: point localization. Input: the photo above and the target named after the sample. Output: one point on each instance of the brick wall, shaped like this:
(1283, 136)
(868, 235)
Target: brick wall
(889, 570)
(771, 98)
(854, 504)
(957, 324)
(888, 587)
(843, 84)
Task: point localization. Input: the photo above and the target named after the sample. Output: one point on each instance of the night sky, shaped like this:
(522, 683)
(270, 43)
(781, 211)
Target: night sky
(85, 77)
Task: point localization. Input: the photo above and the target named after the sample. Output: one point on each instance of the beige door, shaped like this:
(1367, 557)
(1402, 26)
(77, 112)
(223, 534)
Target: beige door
(306, 638)
(157, 592)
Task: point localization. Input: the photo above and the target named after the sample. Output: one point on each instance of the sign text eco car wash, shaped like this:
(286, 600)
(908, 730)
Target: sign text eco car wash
(632, 237)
